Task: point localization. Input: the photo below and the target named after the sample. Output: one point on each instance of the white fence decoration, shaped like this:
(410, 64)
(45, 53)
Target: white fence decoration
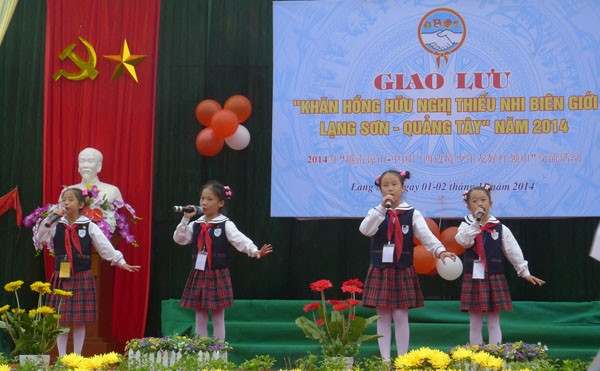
(169, 357)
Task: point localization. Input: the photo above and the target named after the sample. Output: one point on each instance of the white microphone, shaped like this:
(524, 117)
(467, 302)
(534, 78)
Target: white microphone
(388, 204)
(187, 209)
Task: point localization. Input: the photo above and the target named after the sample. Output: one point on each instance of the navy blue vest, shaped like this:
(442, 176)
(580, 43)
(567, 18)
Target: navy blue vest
(380, 238)
(494, 256)
(220, 245)
(81, 262)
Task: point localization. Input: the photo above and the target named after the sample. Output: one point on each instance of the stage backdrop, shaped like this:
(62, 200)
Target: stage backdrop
(116, 116)
(460, 95)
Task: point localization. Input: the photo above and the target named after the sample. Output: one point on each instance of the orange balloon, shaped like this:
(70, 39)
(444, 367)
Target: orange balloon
(447, 239)
(205, 110)
(433, 227)
(224, 123)
(239, 105)
(207, 143)
(423, 260)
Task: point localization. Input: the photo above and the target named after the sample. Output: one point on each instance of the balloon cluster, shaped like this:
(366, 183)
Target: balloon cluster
(223, 125)
(425, 263)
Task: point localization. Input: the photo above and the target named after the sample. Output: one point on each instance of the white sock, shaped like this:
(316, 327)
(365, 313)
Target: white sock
(61, 344)
(384, 329)
(218, 321)
(78, 337)
(201, 323)
(476, 326)
(493, 325)
(402, 330)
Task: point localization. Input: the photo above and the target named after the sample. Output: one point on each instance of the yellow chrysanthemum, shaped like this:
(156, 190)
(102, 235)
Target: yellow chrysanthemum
(5, 368)
(487, 360)
(462, 353)
(32, 313)
(4, 308)
(13, 286)
(17, 311)
(62, 292)
(424, 357)
(41, 287)
(45, 310)
(72, 360)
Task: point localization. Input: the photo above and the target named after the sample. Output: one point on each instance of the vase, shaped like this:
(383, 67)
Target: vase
(348, 362)
(41, 360)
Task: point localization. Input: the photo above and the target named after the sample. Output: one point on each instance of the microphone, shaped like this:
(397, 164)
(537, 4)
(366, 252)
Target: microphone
(479, 216)
(53, 218)
(388, 204)
(187, 209)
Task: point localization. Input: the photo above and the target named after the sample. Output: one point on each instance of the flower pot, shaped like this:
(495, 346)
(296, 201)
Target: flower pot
(348, 362)
(41, 360)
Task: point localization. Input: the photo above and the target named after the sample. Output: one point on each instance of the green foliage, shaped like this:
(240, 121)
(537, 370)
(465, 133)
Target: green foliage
(258, 363)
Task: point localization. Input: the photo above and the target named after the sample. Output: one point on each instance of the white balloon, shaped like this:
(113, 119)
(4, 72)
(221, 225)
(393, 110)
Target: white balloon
(451, 270)
(240, 139)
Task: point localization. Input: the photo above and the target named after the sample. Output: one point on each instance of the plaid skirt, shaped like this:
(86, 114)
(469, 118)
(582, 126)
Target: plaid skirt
(392, 287)
(210, 289)
(81, 307)
(490, 294)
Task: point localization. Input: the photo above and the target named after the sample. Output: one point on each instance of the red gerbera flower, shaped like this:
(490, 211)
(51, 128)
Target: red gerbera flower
(319, 321)
(353, 282)
(352, 302)
(340, 306)
(320, 285)
(354, 289)
(311, 306)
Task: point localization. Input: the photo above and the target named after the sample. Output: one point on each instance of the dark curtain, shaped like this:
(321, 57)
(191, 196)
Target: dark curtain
(215, 49)
(21, 109)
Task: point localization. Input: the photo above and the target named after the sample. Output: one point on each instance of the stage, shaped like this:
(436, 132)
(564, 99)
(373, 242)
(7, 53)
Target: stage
(266, 327)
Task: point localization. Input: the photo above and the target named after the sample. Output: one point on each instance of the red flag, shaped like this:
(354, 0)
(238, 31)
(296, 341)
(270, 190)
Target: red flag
(100, 86)
(11, 201)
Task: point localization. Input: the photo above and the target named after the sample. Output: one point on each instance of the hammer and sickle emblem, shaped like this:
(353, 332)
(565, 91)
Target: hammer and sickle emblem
(86, 68)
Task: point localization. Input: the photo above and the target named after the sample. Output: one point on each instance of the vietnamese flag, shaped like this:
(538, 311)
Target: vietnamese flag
(114, 115)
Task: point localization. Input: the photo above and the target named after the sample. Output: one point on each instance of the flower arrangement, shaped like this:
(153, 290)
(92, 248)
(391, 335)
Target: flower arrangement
(74, 361)
(458, 359)
(183, 344)
(34, 331)
(513, 352)
(340, 333)
(108, 216)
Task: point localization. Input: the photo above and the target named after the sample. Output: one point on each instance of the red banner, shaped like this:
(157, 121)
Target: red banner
(11, 201)
(85, 107)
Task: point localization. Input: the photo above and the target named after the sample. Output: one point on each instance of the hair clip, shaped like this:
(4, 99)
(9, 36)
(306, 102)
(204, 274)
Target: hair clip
(465, 196)
(488, 187)
(378, 180)
(228, 192)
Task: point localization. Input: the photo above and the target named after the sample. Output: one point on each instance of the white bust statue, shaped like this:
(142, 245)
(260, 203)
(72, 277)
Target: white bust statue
(90, 164)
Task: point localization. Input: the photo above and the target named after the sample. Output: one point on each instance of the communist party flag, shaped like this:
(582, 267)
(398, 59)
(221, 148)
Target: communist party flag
(100, 78)
(11, 201)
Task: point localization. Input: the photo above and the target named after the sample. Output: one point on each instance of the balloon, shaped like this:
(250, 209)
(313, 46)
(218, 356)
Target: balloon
(451, 270)
(423, 260)
(447, 239)
(239, 105)
(207, 143)
(224, 123)
(240, 139)
(433, 227)
(205, 110)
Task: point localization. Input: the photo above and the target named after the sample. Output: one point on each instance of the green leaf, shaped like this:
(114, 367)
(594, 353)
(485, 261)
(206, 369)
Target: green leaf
(310, 329)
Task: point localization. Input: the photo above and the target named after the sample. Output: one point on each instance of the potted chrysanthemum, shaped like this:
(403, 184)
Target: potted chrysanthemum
(34, 332)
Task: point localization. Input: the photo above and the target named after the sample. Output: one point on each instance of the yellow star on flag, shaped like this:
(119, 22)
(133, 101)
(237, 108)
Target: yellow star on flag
(125, 61)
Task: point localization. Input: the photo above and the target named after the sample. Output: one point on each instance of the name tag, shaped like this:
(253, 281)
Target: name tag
(65, 270)
(201, 261)
(478, 270)
(388, 253)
